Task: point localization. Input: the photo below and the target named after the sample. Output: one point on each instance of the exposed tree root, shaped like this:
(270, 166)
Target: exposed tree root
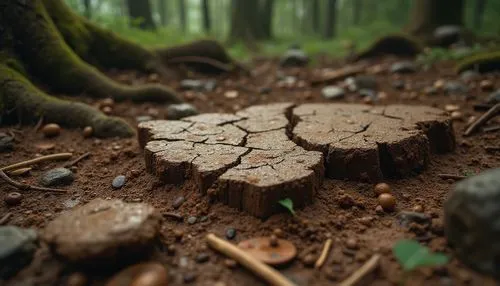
(44, 41)
(483, 62)
(399, 45)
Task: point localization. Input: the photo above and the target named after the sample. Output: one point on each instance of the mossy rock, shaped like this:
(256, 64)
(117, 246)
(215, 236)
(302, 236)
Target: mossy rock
(482, 62)
(396, 44)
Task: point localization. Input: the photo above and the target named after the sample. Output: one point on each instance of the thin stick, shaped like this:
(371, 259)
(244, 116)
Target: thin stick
(451, 176)
(201, 60)
(272, 276)
(5, 218)
(368, 267)
(173, 215)
(483, 119)
(21, 171)
(324, 254)
(60, 156)
(26, 187)
(74, 162)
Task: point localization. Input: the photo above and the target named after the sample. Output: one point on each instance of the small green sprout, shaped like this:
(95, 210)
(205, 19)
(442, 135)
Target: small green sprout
(412, 255)
(288, 204)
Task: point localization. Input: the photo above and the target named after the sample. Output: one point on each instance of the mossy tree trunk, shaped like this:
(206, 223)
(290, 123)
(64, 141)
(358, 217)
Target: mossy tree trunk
(427, 15)
(140, 14)
(331, 19)
(43, 41)
(266, 16)
(244, 21)
(207, 20)
(182, 15)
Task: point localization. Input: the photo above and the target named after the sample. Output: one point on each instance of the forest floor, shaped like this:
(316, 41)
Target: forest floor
(358, 231)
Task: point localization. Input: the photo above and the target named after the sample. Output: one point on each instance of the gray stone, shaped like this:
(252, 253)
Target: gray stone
(455, 88)
(192, 220)
(178, 111)
(362, 82)
(178, 202)
(405, 218)
(57, 177)
(403, 67)
(494, 97)
(333, 92)
(143, 118)
(469, 75)
(192, 84)
(102, 230)
(294, 58)
(210, 85)
(367, 93)
(230, 233)
(430, 90)
(472, 221)
(6, 143)
(118, 181)
(447, 35)
(17, 247)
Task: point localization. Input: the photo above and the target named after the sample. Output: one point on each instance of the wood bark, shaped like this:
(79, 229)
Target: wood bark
(315, 16)
(266, 16)
(244, 21)
(479, 7)
(331, 19)
(162, 11)
(182, 15)
(207, 21)
(140, 10)
(427, 15)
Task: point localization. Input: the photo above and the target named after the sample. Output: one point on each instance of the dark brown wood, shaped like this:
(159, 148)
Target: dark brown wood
(494, 111)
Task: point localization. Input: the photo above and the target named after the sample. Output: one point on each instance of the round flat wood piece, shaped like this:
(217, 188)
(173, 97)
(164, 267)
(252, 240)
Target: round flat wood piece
(260, 248)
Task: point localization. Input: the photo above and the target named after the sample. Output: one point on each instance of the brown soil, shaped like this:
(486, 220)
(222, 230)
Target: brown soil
(343, 210)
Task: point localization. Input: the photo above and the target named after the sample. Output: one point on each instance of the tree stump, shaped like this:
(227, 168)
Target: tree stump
(263, 154)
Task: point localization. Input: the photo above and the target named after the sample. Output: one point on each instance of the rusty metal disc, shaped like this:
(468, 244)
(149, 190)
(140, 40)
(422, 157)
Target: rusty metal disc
(260, 247)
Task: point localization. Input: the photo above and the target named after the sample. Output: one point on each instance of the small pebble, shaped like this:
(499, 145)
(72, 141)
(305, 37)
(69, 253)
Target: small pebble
(456, 115)
(352, 243)
(451, 107)
(178, 234)
(192, 220)
(278, 232)
(76, 279)
(229, 263)
(107, 102)
(387, 201)
(13, 199)
(107, 110)
(230, 233)
(51, 130)
(231, 94)
(273, 241)
(379, 210)
(57, 177)
(382, 188)
(418, 209)
(486, 85)
(309, 260)
(178, 202)
(87, 132)
(189, 278)
(202, 257)
(118, 181)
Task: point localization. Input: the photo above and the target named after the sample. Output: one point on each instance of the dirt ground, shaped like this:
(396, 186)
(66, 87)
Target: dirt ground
(373, 232)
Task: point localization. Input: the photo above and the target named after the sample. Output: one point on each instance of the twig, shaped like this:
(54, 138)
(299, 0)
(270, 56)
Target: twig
(74, 162)
(201, 60)
(5, 218)
(451, 176)
(483, 119)
(272, 276)
(492, 148)
(324, 254)
(20, 171)
(26, 187)
(39, 124)
(60, 156)
(368, 267)
(173, 215)
(491, 128)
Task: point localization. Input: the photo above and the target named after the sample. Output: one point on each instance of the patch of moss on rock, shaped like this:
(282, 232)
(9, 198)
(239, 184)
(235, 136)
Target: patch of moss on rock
(482, 62)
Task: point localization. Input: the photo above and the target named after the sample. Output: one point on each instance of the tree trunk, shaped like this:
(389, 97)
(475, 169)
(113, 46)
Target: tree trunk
(140, 10)
(357, 7)
(207, 21)
(479, 6)
(182, 15)
(88, 8)
(315, 16)
(266, 16)
(331, 19)
(427, 15)
(162, 11)
(244, 24)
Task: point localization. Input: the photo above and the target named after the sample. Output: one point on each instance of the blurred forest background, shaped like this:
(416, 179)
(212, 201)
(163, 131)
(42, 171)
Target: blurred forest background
(325, 26)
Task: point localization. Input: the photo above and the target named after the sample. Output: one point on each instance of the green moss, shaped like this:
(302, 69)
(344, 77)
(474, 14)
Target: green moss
(482, 62)
(395, 44)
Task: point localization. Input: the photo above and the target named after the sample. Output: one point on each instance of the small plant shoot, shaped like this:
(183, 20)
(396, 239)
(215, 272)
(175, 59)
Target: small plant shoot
(288, 204)
(412, 255)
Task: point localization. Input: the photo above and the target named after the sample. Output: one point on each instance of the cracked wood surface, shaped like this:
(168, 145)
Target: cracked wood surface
(263, 154)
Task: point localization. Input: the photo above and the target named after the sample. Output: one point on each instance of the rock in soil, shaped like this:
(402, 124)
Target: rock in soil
(455, 88)
(51, 130)
(494, 97)
(469, 76)
(13, 198)
(333, 92)
(118, 181)
(294, 58)
(472, 221)
(447, 35)
(57, 177)
(405, 218)
(403, 67)
(101, 230)
(6, 143)
(178, 111)
(143, 274)
(17, 247)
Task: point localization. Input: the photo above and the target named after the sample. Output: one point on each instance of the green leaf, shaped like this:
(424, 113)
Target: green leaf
(411, 255)
(288, 204)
